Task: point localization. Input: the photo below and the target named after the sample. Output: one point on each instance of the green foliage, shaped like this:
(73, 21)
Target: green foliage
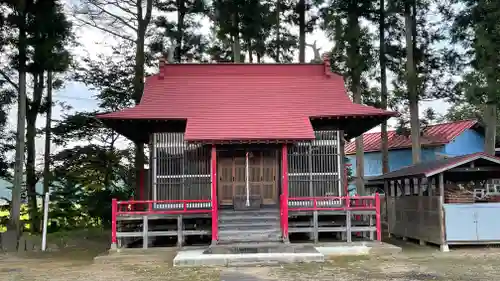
(353, 55)
(467, 111)
(428, 118)
(476, 27)
(349, 169)
(255, 24)
(431, 49)
(77, 205)
(87, 176)
(189, 44)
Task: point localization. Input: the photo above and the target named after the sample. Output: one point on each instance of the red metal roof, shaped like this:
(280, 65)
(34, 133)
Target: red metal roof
(433, 135)
(245, 101)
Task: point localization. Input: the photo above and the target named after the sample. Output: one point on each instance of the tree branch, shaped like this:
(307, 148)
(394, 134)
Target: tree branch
(95, 25)
(123, 9)
(7, 78)
(112, 15)
(149, 9)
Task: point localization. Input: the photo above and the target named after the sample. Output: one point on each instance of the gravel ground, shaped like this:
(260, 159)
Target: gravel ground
(412, 265)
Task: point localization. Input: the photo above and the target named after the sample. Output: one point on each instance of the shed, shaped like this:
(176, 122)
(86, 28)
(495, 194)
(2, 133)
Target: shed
(444, 202)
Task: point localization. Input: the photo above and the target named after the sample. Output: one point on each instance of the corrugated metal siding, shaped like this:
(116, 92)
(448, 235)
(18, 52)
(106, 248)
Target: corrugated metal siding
(313, 166)
(181, 169)
(432, 135)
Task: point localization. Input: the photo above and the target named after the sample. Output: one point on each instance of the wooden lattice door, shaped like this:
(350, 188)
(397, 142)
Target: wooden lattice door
(262, 168)
(225, 180)
(231, 176)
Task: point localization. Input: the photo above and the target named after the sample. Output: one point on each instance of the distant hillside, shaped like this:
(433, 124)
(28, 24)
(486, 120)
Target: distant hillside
(5, 190)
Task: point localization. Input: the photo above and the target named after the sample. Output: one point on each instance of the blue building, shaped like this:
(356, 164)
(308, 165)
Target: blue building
(437, 141)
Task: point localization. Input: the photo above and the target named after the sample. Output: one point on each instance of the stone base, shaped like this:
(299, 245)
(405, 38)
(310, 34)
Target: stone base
(444, 248)
(258, 255)
(9, 241)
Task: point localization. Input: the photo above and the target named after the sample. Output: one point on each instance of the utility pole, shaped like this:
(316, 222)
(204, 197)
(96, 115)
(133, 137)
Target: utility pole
(15, 212)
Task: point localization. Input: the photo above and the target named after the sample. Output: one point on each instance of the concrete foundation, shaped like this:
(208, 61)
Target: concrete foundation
(251, 254)
(198, 258)
(276, 254)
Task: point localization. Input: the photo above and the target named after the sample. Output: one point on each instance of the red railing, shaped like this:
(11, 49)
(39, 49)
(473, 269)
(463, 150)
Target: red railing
(146, 207)
(344, 203)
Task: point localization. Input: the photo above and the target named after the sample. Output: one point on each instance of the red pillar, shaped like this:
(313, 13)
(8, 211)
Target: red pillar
(378, 217)
(284, 202)
(114, 208)
(215, 215)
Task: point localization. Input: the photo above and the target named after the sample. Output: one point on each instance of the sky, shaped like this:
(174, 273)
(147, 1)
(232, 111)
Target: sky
(93, 42)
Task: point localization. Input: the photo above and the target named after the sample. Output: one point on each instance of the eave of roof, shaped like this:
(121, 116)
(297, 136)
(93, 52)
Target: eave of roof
(431, 168)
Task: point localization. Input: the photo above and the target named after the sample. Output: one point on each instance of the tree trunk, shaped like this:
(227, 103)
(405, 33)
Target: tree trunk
(139, 166)
(278, 24)
(490, 118)
(412, 85)
(383, 89)
(142, 25)
(301, 8)
(236, 39)
(181, 14)
(353, 53)
(31, 177)
(250, 51)
(48, 126)
(15, 211)
(138, 89)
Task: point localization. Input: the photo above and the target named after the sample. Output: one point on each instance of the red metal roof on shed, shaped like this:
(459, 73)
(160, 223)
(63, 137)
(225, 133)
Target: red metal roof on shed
(245, 101)
(433, 135)
(431, 168)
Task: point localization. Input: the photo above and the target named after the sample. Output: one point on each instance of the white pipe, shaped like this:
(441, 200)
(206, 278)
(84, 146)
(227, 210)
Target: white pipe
(247, 179)
(45, 220)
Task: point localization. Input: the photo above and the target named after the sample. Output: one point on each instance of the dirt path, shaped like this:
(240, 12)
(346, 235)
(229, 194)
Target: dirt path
(459, 265)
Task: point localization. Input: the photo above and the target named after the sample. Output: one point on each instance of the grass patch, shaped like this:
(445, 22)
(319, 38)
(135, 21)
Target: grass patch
(75, 245)
(166, 272)
(347, 259)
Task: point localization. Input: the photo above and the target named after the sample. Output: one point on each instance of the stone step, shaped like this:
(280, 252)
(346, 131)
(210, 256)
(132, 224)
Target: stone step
(250, 213)
(273, 256)
(252, 217)
(256, 244)
(255, 225)
(249, 221)
(257, 235)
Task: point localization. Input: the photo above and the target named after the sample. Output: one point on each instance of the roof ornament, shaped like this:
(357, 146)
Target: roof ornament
(161, 65)
(327, 63)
